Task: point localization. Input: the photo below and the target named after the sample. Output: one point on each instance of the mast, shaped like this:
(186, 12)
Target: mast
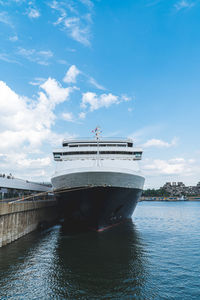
(97, 132)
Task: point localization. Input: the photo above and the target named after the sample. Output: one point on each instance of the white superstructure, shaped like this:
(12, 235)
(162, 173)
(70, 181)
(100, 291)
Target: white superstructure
(97, 162)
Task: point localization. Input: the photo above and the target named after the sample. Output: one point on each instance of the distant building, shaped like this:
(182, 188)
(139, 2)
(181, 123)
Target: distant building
(179, 189)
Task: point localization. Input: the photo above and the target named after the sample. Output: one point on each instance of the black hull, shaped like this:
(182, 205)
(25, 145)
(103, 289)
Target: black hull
(97, 208)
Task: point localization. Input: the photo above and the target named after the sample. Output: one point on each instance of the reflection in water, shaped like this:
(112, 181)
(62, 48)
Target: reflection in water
(53, 265)
(26, 266)
(107, 265)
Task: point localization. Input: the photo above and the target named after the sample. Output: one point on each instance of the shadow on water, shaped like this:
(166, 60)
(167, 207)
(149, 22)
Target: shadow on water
(109, 265)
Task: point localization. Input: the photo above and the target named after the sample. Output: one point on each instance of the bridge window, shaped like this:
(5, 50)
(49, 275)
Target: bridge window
(80, 152)
(116, 152)
(138, 154)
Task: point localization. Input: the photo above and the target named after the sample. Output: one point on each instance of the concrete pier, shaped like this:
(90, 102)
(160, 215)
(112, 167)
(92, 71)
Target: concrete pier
(20, 218)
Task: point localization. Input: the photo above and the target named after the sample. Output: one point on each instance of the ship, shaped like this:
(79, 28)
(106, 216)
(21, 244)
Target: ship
(97, 181)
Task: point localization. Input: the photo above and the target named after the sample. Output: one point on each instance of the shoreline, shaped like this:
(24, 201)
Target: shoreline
(170, 199)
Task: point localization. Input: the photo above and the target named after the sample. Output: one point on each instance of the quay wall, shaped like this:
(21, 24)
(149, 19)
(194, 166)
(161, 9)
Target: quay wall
(20, 218)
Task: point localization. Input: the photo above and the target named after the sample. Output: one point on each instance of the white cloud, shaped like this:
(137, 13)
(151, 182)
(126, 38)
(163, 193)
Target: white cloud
(33, 13)
(5, 57)
(25, 121)
(177, 160)
(26, 125)
(96, 84)
(191, 160)
(13, 38)
(89, 3)
(95, 102)
(159, 143)
(71, 74)
(20, 165)
(62, 62)
(77, 25)
(164, 167)
(82, 115)
(56, 93)
(73, 26)
(45, 54)
(37, 81)
(78, 33)
(126, 98)
(26, 52)
(177, 166)
(10, 2)
(34, 163)
(183, 5)
(5, 19)
(40, 57)
(69, 117)
(71, 49)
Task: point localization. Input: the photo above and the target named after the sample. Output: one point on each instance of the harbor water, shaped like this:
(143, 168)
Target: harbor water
(154, 256)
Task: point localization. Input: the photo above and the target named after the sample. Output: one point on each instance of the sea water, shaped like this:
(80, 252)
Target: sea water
(154, 256)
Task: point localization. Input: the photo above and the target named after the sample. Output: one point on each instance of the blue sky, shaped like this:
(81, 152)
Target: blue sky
(130, 66)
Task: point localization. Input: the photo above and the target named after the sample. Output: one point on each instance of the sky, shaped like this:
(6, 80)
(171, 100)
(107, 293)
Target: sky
(131, 67)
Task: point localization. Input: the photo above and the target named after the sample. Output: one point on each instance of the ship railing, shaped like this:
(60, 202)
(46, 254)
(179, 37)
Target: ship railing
(92, 138)
(101, 157)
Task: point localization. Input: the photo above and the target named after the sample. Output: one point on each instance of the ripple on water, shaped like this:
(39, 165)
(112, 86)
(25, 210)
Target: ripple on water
(154, 257)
